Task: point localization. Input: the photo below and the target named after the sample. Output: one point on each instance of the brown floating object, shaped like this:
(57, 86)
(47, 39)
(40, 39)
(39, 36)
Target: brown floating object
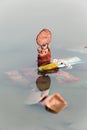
(55, 103)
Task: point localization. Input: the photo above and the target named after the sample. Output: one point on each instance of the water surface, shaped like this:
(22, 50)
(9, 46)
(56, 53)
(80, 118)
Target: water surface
(20, 21)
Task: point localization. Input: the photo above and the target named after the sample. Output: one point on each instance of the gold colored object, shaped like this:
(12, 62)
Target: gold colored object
(48, 67)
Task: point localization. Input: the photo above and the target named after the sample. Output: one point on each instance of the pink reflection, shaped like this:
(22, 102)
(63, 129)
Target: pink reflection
(26, 75)
(65, 77)
(28, 72)
(15, 75)
(85, 46)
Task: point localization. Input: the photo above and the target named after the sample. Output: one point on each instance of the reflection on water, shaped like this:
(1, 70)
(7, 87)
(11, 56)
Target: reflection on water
(53, 103)
(65, 77)
(24, 86)
(23, 76)
(71, 84)
(43, 84)
(81, 50)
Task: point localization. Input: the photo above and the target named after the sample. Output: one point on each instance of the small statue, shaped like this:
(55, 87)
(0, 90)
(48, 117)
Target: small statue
(44, 54)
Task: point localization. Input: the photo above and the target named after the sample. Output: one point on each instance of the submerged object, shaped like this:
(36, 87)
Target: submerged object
(59, 63)
(55, 103)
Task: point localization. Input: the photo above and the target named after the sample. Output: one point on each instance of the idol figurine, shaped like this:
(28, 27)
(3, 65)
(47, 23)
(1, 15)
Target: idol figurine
(43, 39)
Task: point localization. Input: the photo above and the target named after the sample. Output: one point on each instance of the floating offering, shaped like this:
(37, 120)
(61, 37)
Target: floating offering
(48, 67)
(59, 63)
(55, 103)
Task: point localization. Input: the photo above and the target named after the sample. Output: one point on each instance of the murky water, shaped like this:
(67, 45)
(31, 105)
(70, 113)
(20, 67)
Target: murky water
(20, 21)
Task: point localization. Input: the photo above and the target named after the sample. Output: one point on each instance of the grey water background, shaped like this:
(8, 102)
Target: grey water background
(20, 21)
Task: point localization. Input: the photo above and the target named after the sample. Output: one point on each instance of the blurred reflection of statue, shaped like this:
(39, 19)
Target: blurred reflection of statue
(43, 84)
